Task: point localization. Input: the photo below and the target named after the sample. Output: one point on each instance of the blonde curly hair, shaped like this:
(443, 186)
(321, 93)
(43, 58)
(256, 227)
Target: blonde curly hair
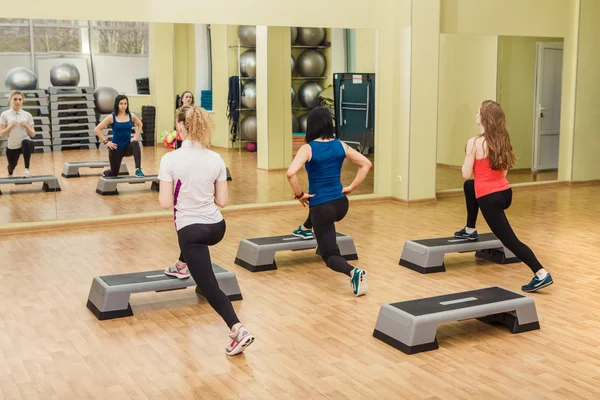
(198, 124)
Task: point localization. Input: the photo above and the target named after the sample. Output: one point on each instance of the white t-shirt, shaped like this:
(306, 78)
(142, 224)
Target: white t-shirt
(18, 132)
(193, 171)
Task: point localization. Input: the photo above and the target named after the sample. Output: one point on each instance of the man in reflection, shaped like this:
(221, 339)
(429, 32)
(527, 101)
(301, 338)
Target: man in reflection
(17, 124)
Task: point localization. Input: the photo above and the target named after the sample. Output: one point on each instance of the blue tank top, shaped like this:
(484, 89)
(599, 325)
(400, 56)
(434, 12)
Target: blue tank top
(121, 132)
(324, 171)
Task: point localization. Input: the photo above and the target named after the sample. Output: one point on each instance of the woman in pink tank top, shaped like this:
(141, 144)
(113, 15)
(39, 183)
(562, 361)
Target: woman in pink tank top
(489, 156)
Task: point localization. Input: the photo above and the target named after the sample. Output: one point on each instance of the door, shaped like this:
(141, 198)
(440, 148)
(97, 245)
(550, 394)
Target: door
(546, 135)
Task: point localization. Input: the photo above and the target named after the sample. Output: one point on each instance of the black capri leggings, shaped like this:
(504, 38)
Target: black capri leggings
(13, 155)
(115, 157)
(321, 219)
(492, 207)
(193, 242)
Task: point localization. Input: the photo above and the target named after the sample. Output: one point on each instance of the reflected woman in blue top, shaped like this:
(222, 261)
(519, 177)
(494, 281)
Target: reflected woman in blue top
(122, 144)
(323, 156)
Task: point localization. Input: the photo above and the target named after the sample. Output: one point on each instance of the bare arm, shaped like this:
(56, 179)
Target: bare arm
(301, 158)
(138, 127)
(165, 194)
(29, 128)
(467, 168)
(5, 130)
(102, 125)
(221, 193)
(364, 165)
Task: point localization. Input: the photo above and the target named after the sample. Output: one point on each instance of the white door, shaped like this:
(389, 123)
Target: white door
(546, 135)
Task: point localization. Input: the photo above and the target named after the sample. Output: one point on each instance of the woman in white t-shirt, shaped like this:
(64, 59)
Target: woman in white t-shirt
(17, 124)
(193, 180)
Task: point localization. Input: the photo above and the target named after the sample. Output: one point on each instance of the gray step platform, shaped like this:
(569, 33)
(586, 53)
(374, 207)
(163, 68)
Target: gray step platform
(40, 101)
(64, 113)
(83, 126)
(427, 256)
(109, 295)
(258, 254)
(73, 140)
(50, 182)
(40, 120)
(71, 169)
(410, 326)
(56, 103)
(78, 146)
(69, 120)
(42, 142)
(108, 185)
(42, 149)
(43, 109)
(70, 89)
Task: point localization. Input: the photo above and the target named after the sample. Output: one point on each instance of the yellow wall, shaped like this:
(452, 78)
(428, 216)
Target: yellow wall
(185, 59)
(161, 71)
(516, 91)
(220, 73)
(467, 77)
(137, 101)
(365, 50)
(586, 162)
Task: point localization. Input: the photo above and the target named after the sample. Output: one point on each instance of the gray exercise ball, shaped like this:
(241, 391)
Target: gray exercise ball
(293, 94)
(311, 63)
(292, 63)
(248, 63)
(311, 36)
(249, 95)
(302, 122)
(309, 94)
(247, 35)
(293, 34)
(248, 128)
(21, 78)
(105, 99)
(295, 124)
(64, 74)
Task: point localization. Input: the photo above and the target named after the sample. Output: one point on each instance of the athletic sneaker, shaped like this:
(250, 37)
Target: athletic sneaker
(239, 341)
(359, 282)
(106, 173)
(537, 283)
(26, 173)
(139, 173)
(181, 272)
(303, 233)
(462, 234)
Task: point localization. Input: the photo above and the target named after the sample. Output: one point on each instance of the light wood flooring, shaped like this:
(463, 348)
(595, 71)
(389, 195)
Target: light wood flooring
(313, 337)
(78, 198)
(448, 177)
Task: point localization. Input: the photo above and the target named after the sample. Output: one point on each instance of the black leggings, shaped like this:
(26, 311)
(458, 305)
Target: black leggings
(492, 207)
(321, 219)
(13, 155)
(193, 242)
(115, 157)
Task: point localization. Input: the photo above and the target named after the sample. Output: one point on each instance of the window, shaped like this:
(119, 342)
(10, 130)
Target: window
(14, 35)
(111, 37)
(62, 36)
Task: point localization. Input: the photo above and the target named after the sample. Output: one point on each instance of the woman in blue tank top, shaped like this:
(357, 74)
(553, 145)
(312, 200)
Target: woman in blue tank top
(323, 156)
(122, 144)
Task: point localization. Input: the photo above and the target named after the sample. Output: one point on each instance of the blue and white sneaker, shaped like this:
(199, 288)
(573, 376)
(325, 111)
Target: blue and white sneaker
(303, 233)
(462, 234)
(537, 283)
(359, 282)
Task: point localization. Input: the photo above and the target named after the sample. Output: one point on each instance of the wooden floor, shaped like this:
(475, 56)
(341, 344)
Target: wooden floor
(78, 198)
(449, 177)
(314, 338)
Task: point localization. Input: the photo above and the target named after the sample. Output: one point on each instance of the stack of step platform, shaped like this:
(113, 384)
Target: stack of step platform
(36, 103)
(73, 118)
(148, 128)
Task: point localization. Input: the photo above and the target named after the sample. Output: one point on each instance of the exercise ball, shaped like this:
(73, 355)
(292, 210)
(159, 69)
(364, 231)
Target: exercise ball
(309, 94)
(249, 95)
(248, 63)
(105, 99)
(311, 36)
(302, 122)
(20, 78)
(293, 94)
(292, 63)
(293, 34)
(251, 147)
(247, 35)
(248, 128)
(295, 124)
(311, 63)
(64, 74)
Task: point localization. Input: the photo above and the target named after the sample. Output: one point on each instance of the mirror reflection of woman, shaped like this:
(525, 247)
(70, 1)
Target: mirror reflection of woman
(187, 99)
(122, 144)
(489, 156)
(18, 125)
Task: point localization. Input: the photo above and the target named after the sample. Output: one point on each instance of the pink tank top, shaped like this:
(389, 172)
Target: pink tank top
(487, 180)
